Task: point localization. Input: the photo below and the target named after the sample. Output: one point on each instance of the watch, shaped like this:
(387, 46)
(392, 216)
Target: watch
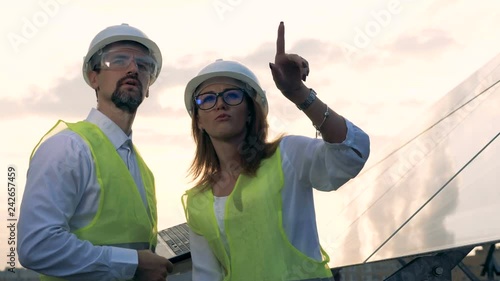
(310, 99)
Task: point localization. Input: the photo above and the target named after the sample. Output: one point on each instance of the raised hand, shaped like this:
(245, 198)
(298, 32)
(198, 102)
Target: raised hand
(288, 70)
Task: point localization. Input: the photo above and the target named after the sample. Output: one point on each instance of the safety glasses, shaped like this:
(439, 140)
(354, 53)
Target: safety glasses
(121, 60)
(208, 100)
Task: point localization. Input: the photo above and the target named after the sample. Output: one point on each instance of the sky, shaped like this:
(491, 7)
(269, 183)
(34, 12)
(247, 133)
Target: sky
(380, 63)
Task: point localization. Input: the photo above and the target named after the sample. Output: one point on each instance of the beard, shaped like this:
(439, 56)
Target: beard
(128, 99)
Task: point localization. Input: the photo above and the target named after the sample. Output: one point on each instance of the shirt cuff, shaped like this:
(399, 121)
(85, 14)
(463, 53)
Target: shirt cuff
(349, 138)
(124, 262)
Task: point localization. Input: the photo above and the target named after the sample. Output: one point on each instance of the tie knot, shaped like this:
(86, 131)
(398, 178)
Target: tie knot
(127, 144)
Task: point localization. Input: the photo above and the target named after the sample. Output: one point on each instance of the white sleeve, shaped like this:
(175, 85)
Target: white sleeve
(327, 166)
(206, 267)
(57, 178)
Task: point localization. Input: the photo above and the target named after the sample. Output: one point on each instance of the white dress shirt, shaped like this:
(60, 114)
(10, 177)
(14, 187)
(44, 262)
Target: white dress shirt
(62, 195)
(306, 163)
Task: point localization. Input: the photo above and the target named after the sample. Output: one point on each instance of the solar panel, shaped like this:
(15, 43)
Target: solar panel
(436, 188)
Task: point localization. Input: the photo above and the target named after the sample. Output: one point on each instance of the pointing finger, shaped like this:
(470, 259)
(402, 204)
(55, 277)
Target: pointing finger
(280, 42)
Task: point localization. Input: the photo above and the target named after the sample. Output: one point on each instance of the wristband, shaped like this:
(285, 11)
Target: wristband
(310, 99)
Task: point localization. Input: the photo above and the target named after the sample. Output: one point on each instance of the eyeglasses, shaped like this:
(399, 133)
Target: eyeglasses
(121, 60)
(208, 100)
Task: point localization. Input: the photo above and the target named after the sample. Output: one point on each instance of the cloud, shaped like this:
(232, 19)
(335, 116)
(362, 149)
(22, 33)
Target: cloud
(428, 42)
(68, 98)
(317, 52)
(322, 53)
(425, 44)
(71, 98)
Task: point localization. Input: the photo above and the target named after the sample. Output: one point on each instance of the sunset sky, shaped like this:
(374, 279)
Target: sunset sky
(381, 64)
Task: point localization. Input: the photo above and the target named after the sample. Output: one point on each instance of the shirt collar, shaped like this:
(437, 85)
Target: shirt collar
(114, 133)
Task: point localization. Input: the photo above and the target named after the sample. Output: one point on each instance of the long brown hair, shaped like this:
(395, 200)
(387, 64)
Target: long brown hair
(205, 168)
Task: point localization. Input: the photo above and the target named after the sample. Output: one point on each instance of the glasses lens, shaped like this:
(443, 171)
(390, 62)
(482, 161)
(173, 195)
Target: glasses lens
(116, 60)
(206, 101)
(120, 60)
(230, 96)
(233, 96)
(146, 64)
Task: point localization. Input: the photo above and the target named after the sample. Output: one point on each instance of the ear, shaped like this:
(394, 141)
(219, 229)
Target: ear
(92, 75)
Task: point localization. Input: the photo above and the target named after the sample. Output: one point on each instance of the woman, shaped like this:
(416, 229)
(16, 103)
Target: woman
(251, 213)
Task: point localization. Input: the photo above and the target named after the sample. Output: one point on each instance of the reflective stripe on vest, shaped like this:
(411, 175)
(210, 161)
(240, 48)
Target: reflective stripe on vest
(121, 208)
(258, 246)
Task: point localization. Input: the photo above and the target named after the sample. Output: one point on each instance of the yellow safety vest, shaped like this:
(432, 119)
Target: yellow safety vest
(121, 217)
(258, 246)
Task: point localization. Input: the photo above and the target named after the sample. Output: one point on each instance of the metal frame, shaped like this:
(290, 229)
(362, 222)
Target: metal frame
(439, 266)
(431, 268)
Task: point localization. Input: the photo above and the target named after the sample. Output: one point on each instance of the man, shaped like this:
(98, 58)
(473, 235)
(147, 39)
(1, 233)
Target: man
(89, 207)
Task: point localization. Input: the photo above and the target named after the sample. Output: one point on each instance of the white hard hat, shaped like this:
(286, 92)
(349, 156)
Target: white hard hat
(231, 69)
(123, 32)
